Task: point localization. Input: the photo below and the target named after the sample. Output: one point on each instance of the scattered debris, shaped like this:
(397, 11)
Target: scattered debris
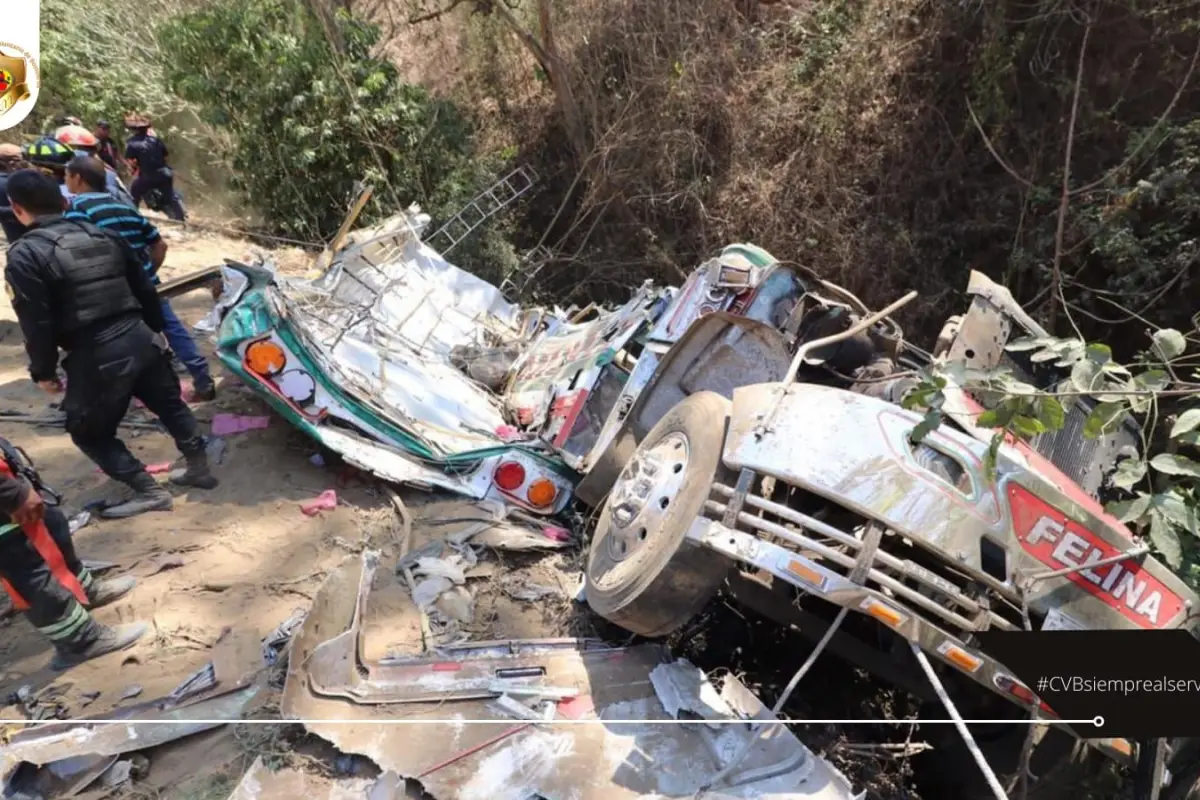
(117, 775)
(79, 521)
(506, 705)
(288, 783)
(164, 563)
(199, 681)
(390, 786)
(506, 536)
(278, 640)
(682, 687)
(532, 592)
(131, 692)
(508, 433)
(228, 424)
(448, 568)
(455, 605)
(47, 744)
(64, 778)
(488, 681)
(215, 447)
(325, 501)
(87, 698)
(429, 590)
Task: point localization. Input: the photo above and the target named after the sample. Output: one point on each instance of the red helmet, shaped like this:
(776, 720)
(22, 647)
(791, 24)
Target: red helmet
(76, 137)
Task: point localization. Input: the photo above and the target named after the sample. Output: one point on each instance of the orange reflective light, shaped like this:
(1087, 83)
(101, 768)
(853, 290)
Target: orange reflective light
(265, 358)
(1122, 746)
(541, 492)
(959, 657)
(884, 613)
(806, 574)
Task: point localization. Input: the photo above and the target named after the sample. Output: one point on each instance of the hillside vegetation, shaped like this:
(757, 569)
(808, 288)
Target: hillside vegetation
(888, 144)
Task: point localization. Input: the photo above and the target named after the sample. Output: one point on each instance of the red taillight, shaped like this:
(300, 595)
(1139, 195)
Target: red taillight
(1020, 691)
(509, 476)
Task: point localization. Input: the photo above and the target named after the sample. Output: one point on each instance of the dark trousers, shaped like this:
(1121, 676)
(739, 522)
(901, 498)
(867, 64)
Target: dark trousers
(101, 381)
(53, 610)
(147, 182)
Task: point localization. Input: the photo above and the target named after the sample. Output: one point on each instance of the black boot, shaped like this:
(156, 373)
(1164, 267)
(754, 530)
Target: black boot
(197, 473)
(148, 496)
(204, 390)
(100, 641)
(103, 593)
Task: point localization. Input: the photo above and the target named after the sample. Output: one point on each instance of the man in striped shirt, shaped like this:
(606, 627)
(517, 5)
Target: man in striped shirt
(86, 179)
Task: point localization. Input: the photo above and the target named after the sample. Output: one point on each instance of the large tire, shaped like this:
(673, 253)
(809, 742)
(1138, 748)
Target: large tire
(599, 480)
(642, 573)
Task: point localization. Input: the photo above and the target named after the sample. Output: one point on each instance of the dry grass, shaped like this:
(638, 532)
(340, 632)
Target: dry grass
(835, 133)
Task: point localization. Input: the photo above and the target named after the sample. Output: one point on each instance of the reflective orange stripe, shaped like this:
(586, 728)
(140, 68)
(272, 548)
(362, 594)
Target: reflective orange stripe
(18, 602)
(39, 536)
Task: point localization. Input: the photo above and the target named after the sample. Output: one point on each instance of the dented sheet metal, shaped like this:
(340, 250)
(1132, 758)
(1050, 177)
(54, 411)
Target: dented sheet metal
(45, 744)
(553, 378)
(471, 749)
(382, 322)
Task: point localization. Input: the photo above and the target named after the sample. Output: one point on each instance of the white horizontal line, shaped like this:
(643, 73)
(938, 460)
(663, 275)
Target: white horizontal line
(84, 722)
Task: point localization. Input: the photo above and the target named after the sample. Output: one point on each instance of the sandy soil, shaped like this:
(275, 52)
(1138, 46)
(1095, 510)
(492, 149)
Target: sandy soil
(249, 556)
(242, 556)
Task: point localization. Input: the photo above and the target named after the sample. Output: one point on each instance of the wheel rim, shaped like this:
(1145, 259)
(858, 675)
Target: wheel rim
(643, 494)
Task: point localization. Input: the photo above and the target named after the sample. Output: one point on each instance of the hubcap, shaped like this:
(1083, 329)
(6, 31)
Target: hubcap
(644, 491)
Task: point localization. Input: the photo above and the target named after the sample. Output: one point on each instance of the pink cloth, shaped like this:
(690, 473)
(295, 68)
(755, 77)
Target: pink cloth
(225, 424)
(556, 533)
(325, 501)
(153, 469)
(508, 433)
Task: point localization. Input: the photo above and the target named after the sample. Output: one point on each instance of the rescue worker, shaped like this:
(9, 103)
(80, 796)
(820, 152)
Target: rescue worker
(91, 203)
(84, 142)
(51, 157)
(149, 155)
(77, 287)
(106, 148)
(11, 160)
(43, 574)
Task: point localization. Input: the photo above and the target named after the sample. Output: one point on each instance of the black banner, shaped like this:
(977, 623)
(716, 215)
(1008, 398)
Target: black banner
(1134, 684)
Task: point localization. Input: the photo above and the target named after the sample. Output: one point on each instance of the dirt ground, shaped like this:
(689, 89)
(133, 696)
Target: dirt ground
(242, 556)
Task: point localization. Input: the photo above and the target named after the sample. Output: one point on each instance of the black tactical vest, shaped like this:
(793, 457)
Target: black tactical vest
(91, 269)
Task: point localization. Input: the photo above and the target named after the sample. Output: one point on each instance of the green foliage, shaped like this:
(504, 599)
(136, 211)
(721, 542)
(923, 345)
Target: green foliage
(308, 123)
(823, 35)
(100, 59)
(1156, 494)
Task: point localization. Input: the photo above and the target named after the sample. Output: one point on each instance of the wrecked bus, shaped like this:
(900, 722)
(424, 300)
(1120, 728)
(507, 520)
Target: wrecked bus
(422, 374)
(744, 430)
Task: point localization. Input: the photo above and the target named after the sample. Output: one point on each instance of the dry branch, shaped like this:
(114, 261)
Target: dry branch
(1064, 203)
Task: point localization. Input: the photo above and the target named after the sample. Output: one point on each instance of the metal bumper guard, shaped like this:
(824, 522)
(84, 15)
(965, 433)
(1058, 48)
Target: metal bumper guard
(868, 583)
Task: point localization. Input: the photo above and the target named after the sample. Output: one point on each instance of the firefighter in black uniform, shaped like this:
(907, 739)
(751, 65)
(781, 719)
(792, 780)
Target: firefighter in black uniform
(82, 289)
(35, 583)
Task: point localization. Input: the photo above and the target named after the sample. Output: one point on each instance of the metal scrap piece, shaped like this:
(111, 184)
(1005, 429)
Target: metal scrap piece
(46, 744)
(453, 758)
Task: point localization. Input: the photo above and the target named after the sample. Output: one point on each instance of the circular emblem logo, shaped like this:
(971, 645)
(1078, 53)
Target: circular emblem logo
(18, 84)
